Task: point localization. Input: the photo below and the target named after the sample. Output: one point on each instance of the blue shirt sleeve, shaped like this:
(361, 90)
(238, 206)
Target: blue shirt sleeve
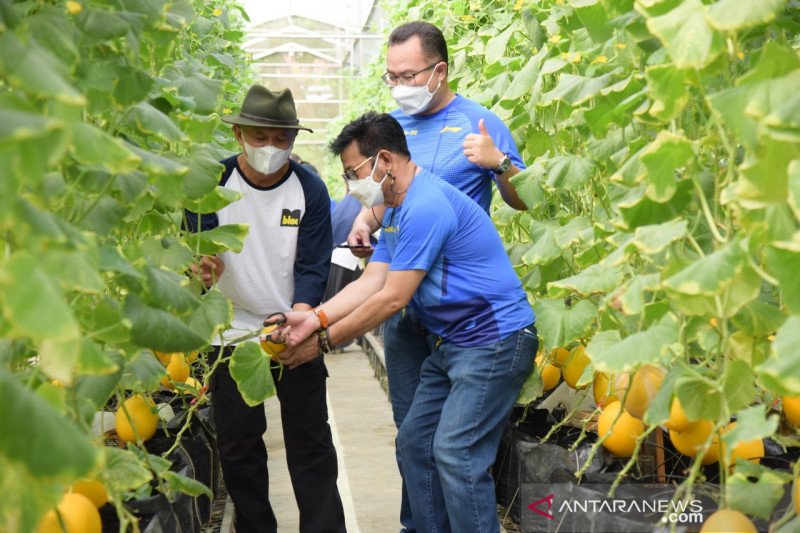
(313, 259)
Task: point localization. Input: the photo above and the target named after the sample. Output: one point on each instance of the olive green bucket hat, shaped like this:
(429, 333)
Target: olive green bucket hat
(266, 109)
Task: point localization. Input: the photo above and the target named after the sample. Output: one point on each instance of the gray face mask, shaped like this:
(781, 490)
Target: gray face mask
(368, 191)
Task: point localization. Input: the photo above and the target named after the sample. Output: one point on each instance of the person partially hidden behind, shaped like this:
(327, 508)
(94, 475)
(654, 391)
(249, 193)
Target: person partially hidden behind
(283, 265)
(440, 252)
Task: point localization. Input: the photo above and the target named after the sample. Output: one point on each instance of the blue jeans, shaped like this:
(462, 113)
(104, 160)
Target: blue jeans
(407, 344)
(449, 438)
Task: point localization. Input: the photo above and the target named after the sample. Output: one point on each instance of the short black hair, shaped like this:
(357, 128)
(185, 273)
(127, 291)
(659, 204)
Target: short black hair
(431, 38)
(373, 132)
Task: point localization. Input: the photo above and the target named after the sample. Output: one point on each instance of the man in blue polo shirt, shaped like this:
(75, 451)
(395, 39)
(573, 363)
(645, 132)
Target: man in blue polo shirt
(440, 252)
(459, 141)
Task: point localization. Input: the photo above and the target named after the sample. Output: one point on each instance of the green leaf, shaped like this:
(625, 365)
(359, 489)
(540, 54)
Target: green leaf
(202, 178)
(637, 209)
(214, 201)
(651, 240)
(32, 303)
(250, 368)
(41, 447)
(31, 68)
(180, 483)
(764, 174)
(569, 173)
(596, 279)
(159, 164)
(594, 17)
(574, 90)
(214, 314)
(700, 398)
(687, 36)
(532, 388)
(524, 80)
(131, 85)
(496, 47)
(794, 187)
(759, 319)
(218, 240)
(712, 274)
(151, 120)
(667, 86)
(559, 325)
(652, 346)
(527, 185)
(93, 146)
(738, 384)
(203, 92)
(751, 423)
(783, 260)
(732, 15)
(545, 249)
(124, 471)
(143, 372)
(658, 411)
(756, 490)
(662, 158)
(20, 125)
(155, 328)
(74, 271)
(782, 368)
(629, 298)
(93, 361)
(169, 291)
(97, 390)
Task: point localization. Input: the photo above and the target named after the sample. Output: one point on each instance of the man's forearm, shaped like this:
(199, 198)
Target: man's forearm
(507, 190)
(374, 312)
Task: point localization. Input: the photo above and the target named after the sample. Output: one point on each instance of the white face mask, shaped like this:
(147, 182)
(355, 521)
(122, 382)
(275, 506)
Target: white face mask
(414, 100)
(368, 191)
(266, 159)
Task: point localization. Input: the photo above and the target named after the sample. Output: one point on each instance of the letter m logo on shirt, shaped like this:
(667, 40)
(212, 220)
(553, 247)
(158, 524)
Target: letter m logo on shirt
(290, 218)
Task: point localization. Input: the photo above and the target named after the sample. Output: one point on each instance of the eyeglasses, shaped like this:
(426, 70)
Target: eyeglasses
(408, 80)
(351, 174)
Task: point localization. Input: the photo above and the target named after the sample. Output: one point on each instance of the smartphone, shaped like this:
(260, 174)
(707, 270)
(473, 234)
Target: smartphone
(354, 246)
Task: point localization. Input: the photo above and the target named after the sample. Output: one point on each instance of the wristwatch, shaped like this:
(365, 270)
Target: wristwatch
(504, 165)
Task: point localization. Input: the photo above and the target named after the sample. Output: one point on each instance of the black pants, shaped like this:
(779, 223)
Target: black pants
(310, 454)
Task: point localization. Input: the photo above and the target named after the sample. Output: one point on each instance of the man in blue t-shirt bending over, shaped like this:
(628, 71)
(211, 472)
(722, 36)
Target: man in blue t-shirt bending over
(440, 252)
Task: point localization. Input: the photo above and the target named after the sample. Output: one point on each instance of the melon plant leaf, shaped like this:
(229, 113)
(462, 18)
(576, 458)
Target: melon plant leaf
(652, 346)
(96, 147)
(751, 423)
(177, 482)
(658, 411)
(151, 120)
(596, 279)
(651, 240)
(202, 178)
(168, 290)
(124, 471)
(155, 328)
(756, 490)
(569, 172)
(524, 79)
(759, 318)
(690, 41)
(700, 397)
(668, 91)
(574, 90)
(214, 313)
(527, 185)
(783, 260)
(218, 240)
(594, 17)
(217, 199)
(559, 325)
(764, 175)
(532, 388)
(496, 47)
(738, 383)
(781, 371)
(732, 15)
(710, 275)
(630, 297)
(794, 187)
(545, 249)
(143, 372)
(661, 159)
(42, 446)
(159, 164)
(250, 368)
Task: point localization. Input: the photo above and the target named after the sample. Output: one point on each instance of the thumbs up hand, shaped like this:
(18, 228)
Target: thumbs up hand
(479, 148)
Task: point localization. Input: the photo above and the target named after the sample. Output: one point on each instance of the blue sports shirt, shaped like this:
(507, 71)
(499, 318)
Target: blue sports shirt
(471, 295)
(436, 143)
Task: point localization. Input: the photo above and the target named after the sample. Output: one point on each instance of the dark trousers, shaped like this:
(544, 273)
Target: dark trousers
(310, 454)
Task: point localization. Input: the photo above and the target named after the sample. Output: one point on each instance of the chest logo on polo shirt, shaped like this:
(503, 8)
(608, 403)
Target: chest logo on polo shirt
(451, 129)
(290, 218)
(410, 132)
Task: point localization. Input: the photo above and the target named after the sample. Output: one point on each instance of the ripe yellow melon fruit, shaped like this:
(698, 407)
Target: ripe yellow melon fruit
(606, 390)
(78, 513)
(272, 348)
(692, 439)
(551, 375)
(791, 409)
(140, 415)
(164, 357)
(560, 356)
(644, 387)
(728, 521)
(677, 417)
(577, 362)
(752, 450)
(177, 370)
(92, 489)
(622, 437)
